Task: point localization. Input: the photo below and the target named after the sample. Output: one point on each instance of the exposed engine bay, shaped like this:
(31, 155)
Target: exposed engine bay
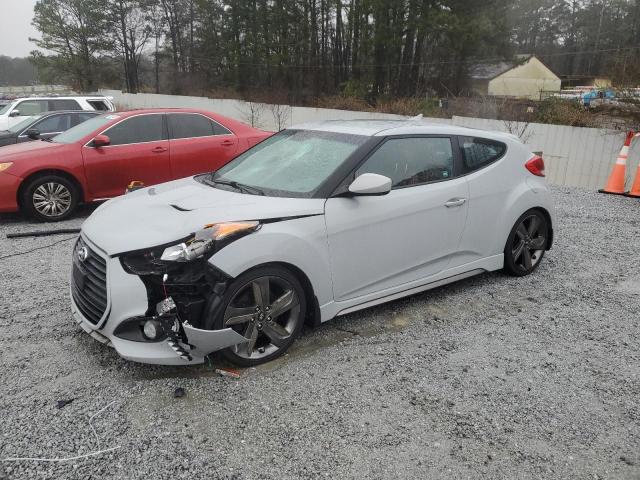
(182, 298)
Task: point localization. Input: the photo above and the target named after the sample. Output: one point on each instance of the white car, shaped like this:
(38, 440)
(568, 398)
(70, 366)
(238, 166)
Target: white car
(22, 108)
(314, 222)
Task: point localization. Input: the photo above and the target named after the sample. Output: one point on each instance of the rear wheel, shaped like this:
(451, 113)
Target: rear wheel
(266, 306)
(526, 244)
(50, 198)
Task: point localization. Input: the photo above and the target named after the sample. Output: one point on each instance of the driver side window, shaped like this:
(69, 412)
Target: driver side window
(412, 161)
(28, 108)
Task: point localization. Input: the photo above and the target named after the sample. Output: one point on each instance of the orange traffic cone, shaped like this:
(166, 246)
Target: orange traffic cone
(616, 182)
(635, 189)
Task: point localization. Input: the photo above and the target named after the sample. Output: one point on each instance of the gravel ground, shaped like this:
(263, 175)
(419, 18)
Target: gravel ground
(492, 377)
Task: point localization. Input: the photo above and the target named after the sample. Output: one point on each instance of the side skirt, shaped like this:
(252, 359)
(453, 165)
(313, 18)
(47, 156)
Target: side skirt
(335, 309)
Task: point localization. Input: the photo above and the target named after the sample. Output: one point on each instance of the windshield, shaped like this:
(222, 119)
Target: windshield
(291, 163)
(6, 108)
(80, 131)
(24, 124)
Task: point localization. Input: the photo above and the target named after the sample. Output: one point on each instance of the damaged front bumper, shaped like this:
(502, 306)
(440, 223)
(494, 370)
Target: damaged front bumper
(127, 299)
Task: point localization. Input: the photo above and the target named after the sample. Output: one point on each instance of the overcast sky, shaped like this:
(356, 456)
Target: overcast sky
(15, 27)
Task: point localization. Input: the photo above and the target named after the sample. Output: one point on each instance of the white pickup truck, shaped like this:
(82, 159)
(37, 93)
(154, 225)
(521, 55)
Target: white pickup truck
(23, 108)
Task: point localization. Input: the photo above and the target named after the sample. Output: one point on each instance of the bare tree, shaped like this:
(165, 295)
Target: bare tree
(156, 21)
(131, 33)
(281, 115)
(252, 113)
(518, 128)
(514, 115)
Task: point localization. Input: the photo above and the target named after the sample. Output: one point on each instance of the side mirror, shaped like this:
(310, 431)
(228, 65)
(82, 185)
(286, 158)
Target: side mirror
(33, 133)
(370, 184)
(101, 141)
(15, 113)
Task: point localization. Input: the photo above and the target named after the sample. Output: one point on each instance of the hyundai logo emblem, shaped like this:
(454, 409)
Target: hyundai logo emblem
(83, 254)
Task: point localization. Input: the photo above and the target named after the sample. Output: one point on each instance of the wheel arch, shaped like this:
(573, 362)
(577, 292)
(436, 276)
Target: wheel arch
(549, 219)
(300, 245)
(312, 315)
(48, 171)
(547, 215)
(521, 200)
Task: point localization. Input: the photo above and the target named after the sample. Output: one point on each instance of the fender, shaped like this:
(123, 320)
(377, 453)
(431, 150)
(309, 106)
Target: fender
(282, 242)
(519, 201)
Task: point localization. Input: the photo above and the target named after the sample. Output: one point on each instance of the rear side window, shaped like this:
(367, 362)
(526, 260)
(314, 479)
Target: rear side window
(412, 161)
(98, 105)
(219, 129)
(139, 129)
(480, 152)
(68, 104)
(187, 125)
(78, 118)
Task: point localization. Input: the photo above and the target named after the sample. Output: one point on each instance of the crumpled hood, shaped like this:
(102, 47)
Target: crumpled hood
(165, 213)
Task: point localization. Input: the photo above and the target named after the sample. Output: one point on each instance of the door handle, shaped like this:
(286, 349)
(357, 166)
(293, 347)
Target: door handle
(228, 143)
(159, 150)
(455, 202)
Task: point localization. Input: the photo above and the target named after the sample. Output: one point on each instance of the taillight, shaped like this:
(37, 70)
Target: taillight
(536, 166)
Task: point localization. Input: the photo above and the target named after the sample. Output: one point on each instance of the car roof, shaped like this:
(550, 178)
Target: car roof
(384, 128)
(60, 97)
(57, 112)
(138, 111)
(235, 126)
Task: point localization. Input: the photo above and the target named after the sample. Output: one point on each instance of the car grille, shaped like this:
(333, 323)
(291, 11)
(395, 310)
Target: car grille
(89, 282)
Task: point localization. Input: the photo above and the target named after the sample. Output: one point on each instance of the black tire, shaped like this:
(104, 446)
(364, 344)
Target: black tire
(61, 205)
(242, 293)
(526, 244)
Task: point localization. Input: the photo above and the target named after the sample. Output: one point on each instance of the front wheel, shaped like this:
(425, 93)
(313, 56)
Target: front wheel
(526, 244)
(266, 306)
(50, 198)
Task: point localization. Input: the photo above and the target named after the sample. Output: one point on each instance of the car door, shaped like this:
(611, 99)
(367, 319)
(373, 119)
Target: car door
(25, 109)
(139, 151)
(379, 243)
(198, 144)
(48, 127)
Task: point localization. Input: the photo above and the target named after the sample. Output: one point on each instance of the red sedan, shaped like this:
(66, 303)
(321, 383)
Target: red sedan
(97, 159)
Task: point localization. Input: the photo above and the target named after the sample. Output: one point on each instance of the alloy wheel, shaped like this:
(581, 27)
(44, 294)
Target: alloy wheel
(529, 242)
(266, 311)
(52, 199)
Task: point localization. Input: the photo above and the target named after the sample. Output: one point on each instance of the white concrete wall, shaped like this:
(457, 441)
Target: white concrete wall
(35, 90)
(576, 157)
(580, 157)
(238, 109)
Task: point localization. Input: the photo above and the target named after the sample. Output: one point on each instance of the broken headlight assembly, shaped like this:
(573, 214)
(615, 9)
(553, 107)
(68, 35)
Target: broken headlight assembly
(201, 245)
(182, 286)
(207, 241)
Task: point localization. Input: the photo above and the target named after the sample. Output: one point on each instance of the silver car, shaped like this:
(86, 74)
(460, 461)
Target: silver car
(315, 222)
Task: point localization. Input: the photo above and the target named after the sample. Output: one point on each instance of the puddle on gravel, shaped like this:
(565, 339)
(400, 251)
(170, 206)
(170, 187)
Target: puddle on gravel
(311, 341)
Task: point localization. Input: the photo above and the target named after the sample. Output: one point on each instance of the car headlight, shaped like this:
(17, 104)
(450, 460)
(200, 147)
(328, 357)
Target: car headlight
(207, 241)
(201, 244)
